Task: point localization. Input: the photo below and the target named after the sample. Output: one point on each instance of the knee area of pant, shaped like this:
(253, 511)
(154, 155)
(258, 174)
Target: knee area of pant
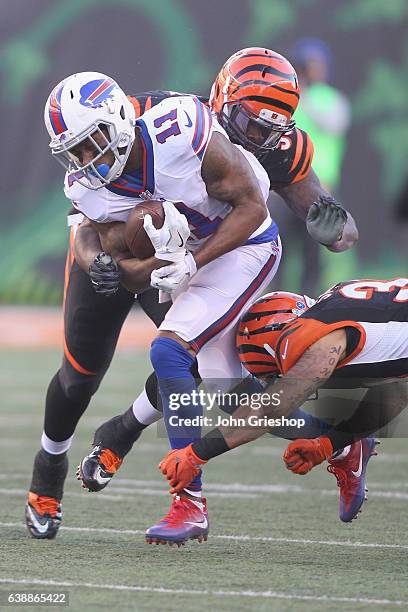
(167, 356)
(79, 388)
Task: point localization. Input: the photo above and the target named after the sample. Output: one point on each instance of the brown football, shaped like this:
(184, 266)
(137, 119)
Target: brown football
(138, 242)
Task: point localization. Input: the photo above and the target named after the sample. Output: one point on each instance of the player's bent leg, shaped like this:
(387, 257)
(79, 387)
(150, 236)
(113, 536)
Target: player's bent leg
(349, 467)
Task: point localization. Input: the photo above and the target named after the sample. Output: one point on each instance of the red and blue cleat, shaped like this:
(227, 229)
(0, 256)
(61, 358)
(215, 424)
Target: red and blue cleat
(350, 474)
(187, 519)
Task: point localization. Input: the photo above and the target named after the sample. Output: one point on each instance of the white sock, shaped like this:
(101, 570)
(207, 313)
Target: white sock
(341, 454)
(143, 410)
(55, 448)
(193, 493)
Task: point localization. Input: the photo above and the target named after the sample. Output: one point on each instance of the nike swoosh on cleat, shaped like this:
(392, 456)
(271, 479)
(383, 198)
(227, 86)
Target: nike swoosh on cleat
(189, 122)
(360, 465)
(102, 479)
(40, 528)
(202, 525)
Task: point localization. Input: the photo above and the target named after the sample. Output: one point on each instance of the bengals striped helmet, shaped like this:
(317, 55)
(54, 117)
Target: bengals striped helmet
(254, 96)
(260, 328)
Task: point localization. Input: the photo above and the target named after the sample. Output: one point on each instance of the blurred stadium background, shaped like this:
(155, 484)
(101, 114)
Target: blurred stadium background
(180, 45)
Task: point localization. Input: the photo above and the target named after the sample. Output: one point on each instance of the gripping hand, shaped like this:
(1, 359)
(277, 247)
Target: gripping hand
(173, 276)
(105, 274)
(170, 240)
(303, 455)
(180, 467)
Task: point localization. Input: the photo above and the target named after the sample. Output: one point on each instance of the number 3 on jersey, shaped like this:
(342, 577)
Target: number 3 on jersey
(364, 289)
(172, 130)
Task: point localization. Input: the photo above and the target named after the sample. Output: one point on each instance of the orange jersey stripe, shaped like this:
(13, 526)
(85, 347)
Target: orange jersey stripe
(136, 105)
(303, 157)
(299, 147)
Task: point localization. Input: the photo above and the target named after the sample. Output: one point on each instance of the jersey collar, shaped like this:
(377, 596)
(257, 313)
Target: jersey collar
(140, 183)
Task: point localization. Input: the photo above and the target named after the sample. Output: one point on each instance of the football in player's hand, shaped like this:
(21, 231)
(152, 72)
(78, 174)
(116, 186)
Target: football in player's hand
(138, 242)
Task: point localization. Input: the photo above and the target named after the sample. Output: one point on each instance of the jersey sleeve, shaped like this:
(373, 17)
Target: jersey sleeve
(202, 124)
(180, 127)
(299, 335)
(291, 161)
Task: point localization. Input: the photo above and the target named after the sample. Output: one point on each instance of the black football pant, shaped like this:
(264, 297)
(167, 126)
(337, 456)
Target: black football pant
(92, 324)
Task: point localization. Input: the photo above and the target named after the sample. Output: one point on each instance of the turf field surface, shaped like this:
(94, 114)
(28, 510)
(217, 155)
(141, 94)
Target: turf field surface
(276, 542)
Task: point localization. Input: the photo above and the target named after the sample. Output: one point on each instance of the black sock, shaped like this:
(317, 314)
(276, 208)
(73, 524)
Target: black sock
(49, 473)
(119, 433)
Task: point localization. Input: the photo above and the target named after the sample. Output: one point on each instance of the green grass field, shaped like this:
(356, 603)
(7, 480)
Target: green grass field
(276, 541)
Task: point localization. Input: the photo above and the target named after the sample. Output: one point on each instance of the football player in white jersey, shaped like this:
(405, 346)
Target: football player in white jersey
(178, 153)
(105, 156)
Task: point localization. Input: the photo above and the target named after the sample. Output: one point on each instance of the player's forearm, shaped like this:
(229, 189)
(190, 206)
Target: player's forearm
(87, 245)
(250, 423)
(349, 236)
(300, 196)
(135, 273)
(286, 395)
(233, 232)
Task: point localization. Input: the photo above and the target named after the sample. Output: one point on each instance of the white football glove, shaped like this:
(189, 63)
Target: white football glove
(173, 276)
(170, 240)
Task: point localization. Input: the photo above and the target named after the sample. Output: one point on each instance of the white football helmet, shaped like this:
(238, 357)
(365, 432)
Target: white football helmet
(77, 108)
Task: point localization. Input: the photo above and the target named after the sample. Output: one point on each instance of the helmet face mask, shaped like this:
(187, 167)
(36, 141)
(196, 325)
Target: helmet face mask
(64, 153)
(90, 110)
(256, 134)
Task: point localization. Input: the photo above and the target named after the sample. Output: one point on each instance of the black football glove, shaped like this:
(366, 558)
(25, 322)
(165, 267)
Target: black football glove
(326, 220)
(105, 275)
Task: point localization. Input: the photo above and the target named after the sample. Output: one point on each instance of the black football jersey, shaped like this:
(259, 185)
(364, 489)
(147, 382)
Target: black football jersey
(375, 316)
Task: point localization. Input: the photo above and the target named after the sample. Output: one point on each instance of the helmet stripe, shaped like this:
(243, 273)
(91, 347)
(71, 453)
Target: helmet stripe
(287, 91)
(265, 70)
(251, 348)
(270, 102)
(57, 121)
(266, 85)
(251, 316)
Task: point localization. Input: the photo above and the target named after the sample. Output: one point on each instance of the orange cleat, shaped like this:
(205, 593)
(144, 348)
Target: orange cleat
(97, 468)
(43, 516)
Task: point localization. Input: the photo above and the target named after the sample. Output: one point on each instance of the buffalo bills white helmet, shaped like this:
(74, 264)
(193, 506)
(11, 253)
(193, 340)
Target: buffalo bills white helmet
(80, 106)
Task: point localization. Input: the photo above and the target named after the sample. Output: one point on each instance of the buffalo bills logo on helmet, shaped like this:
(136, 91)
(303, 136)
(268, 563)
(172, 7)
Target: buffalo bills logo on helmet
(96, 92)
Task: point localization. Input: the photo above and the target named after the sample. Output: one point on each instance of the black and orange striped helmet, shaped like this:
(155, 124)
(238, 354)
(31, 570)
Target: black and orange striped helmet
(261, 326)
(254, 96)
